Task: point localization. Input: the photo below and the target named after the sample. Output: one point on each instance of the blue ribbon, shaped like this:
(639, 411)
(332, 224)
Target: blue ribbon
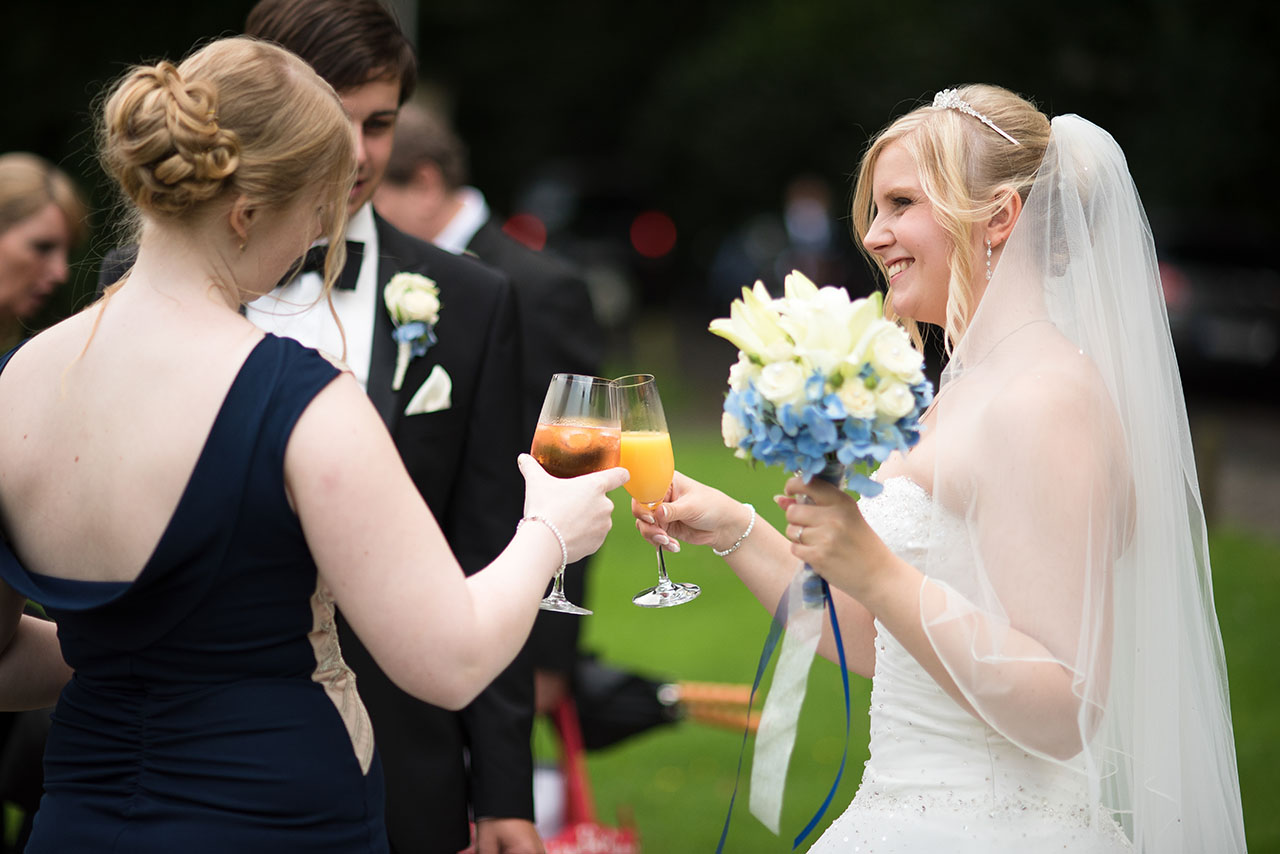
(844, 678)
(776, 625)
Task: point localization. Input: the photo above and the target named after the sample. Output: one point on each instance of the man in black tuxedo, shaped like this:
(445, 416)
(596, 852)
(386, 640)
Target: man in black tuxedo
(425, 193)
(456, 421)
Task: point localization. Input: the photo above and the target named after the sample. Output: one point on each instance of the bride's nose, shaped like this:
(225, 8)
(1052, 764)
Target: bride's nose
(878, 237)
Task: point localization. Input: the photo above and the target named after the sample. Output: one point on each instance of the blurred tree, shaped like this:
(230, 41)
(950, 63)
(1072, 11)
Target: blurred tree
(706, 108)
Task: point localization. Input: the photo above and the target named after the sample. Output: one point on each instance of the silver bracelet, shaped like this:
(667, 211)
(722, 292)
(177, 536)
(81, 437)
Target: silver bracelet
(733, 548)
(564, 550)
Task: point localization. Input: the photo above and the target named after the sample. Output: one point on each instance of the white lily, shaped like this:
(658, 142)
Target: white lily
(819, 324)
(752, 325)
(798, 286)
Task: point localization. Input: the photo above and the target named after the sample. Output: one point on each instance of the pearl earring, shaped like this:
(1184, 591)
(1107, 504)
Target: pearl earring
(988, 259)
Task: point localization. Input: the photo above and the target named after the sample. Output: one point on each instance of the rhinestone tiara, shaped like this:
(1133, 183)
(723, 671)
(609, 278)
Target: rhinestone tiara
(950, 99)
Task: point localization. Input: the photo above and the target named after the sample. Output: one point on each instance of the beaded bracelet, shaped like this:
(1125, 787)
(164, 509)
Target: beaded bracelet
(733, 548)
(564, 550)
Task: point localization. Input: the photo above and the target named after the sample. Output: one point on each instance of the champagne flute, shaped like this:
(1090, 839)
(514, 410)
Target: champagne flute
(646, 454)
(577, 433)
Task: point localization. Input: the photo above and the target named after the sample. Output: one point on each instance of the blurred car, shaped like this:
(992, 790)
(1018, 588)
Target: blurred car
(1223, 299)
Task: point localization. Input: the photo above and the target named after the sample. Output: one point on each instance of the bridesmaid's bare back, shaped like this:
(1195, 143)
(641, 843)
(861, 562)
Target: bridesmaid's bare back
(96, 451)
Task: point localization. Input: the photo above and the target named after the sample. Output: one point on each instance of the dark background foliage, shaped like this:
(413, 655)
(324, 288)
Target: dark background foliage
(705, 108)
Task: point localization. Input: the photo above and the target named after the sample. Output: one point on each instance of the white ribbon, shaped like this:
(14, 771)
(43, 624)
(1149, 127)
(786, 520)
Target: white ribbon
(777, 734)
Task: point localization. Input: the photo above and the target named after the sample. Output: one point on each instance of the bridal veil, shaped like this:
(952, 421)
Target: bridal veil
(1062, 443)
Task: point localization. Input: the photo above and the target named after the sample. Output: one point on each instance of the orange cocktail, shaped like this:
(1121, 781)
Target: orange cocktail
(569, 450)
(646, 454)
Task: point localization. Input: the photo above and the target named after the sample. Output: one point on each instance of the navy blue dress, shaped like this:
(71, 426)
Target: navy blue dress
(210, 710)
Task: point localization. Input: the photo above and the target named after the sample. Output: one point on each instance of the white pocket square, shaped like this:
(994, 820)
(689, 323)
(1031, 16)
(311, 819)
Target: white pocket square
(434, 395)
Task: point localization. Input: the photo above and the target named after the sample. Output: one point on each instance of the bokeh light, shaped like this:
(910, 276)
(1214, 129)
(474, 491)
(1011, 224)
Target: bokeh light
(653, 234)
(528, 229)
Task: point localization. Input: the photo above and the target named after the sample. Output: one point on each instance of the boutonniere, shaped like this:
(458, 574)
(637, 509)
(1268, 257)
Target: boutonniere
(413, 301)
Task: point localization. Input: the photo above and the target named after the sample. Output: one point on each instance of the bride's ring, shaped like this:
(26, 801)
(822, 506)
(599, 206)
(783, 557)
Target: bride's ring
(799, 534)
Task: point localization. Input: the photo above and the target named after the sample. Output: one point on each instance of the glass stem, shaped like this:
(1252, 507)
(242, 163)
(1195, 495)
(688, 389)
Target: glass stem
(663, 580)
(557, 586)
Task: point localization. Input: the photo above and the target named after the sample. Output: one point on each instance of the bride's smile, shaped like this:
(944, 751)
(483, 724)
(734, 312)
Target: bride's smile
(908, 239)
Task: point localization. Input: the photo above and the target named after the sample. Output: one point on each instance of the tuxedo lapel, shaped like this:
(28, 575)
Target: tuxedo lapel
(382, 361)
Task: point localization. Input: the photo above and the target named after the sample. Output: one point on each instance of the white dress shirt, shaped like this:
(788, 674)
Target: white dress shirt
(299, 311)
(474, 213)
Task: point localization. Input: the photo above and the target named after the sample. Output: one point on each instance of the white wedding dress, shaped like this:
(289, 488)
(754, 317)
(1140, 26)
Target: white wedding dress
(940, 780)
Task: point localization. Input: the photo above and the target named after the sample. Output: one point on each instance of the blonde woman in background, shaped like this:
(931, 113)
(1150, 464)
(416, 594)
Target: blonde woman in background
(42, 216)
(190, 497)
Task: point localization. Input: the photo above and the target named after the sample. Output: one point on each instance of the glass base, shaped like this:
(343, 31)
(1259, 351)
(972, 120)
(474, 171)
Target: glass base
(556, 602)
(667, 594)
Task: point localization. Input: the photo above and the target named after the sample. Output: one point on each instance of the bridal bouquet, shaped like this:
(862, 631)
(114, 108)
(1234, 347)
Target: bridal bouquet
(827, 387)
(824, 385)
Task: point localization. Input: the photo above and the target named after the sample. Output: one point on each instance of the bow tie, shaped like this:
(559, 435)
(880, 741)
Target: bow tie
(313, 262)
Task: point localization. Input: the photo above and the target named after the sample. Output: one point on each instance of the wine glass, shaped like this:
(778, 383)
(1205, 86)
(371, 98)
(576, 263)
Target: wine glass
(577, 433)
(646, 454)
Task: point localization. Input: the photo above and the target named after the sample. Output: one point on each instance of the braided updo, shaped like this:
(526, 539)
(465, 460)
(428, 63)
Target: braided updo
(168, 151)
(237, 116)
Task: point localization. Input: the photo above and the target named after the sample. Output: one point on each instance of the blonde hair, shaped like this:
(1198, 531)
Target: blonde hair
(966, 171)
(240, 116)
(29, 183)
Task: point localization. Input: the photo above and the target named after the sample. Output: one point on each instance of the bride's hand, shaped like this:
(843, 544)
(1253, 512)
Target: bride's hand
(694, 513)
(577, 506)
(831, 535)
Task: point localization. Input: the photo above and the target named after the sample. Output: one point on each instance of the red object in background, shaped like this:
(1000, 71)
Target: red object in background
(1177, 290)
(582, 834)
(653, 234)
(528, 229)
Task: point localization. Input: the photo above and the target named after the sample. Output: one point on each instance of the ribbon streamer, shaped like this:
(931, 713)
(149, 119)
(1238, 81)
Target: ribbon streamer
(776, 626)
(777, 735)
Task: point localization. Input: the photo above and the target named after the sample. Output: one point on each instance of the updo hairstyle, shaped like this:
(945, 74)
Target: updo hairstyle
(238, 117)
(29, 183)
(966, 170)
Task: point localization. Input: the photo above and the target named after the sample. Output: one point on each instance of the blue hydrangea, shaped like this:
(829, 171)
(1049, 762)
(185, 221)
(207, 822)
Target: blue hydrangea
(813, 435)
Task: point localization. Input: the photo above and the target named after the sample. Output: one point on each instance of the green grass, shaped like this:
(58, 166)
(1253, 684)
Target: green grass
(677, 780)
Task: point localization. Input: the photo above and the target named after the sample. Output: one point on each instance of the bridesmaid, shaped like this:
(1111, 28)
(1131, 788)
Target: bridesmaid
(190, 498)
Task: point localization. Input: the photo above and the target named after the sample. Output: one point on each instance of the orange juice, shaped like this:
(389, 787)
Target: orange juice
(647, 455)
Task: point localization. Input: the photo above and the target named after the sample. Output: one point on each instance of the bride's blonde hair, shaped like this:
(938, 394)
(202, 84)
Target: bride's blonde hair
(966, 169)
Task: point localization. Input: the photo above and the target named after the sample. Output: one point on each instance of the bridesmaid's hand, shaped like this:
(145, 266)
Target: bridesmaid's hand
(694, 513)
(578, 506)
(831, 535)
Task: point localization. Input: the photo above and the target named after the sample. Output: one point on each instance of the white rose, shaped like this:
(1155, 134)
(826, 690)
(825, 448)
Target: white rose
(410, 297)
(782, 382)
(859, 401)
(421, 305)
(733, 430)
(742, 372)
(893, 356)
(894, 399)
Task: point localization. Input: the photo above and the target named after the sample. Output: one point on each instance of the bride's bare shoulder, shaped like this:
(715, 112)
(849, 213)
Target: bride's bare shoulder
(1057, 396)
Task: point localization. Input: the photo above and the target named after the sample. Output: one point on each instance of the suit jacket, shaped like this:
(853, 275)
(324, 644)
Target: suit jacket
(462, 460)
(560, 335)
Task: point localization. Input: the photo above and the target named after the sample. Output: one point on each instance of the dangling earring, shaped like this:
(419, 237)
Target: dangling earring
(988, 258)
(243, 243)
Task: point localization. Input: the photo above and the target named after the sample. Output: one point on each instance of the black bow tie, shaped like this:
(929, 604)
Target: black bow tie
(313, 262)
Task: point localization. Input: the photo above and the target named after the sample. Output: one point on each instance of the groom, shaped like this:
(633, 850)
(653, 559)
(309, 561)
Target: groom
(456, 421)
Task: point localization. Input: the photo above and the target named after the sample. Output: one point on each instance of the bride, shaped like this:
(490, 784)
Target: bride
(1030, 593)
